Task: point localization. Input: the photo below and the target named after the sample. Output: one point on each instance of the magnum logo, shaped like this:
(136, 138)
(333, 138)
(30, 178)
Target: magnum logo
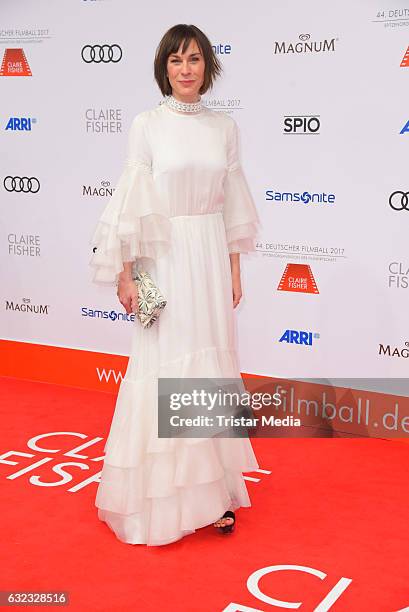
(15, 63)
(298, 277)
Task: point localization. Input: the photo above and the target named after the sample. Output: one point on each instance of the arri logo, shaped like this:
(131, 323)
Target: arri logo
(405, 61)
(299, 278)
(293, 336)
(304, 198)
(20, 124)
(15, 63)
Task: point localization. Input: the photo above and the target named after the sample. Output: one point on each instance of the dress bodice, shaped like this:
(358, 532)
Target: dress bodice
(177, 164)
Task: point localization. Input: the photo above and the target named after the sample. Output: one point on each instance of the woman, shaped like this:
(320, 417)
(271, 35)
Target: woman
(182, 211)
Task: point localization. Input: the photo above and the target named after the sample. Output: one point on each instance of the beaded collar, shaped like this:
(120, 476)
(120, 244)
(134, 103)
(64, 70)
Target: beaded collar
(184, 107)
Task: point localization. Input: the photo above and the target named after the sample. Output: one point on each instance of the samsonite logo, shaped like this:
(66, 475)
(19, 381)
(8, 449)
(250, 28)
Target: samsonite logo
(305, 197)
(295, 336)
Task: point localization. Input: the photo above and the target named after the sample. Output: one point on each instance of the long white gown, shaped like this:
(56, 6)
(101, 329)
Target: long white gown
(181, 205)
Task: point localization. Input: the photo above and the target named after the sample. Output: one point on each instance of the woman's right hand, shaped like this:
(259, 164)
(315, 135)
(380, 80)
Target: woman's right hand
(128, 295)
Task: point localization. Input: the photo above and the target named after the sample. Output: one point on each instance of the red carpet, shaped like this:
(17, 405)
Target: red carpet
(337, 506)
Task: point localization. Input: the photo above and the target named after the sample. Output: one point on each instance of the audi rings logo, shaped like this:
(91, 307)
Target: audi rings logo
(25, 184)
(398, 200)
(98, 54)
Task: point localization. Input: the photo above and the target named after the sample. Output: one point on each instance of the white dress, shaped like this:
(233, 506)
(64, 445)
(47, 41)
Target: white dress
(181, 205)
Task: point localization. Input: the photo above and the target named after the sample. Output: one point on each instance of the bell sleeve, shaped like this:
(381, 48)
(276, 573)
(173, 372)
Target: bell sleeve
(240, 215)
(133, 223)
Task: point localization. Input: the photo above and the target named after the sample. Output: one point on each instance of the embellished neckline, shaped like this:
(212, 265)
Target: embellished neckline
(183, 108)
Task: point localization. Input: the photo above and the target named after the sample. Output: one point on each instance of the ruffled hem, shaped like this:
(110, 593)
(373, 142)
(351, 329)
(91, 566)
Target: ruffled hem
(240, 215)
(163, 520)
(157, 490)
(133, 225)
(166, 475)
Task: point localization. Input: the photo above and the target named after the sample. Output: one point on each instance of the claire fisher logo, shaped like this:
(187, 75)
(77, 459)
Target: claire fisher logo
(398, 277)
(27, 245)
(15, 63)
(103, 120)
(299, 278)
(405, 61)
(305, 45)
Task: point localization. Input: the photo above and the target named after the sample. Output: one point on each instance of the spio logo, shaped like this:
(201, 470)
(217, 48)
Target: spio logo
(98, 54)
(20, 124)
(302, 124)
(25, 184)
(293, 336)
(398, 200)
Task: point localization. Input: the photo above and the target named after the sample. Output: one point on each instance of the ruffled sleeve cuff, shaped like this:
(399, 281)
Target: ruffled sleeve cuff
(134, 224)
(242, 222)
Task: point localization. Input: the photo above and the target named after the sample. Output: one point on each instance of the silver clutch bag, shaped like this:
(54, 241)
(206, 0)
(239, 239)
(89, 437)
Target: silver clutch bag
(150, 299)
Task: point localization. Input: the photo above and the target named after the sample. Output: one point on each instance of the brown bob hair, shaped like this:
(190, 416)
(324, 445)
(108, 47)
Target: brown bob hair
(171, 42)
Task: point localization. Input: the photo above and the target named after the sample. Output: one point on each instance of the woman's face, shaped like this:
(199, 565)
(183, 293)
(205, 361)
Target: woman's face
(186, 72)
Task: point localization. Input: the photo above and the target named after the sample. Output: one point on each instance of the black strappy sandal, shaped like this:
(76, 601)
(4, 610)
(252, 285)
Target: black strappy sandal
(227, 528)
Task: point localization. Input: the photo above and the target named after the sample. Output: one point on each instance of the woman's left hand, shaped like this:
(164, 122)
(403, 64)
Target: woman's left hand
(237, 293)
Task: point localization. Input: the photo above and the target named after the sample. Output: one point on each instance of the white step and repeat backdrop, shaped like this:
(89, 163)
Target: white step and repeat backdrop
(320, 92)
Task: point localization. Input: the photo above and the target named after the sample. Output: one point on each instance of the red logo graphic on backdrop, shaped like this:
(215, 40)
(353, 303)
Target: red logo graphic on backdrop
(298, 277)
(405, 62)
(15, 63)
